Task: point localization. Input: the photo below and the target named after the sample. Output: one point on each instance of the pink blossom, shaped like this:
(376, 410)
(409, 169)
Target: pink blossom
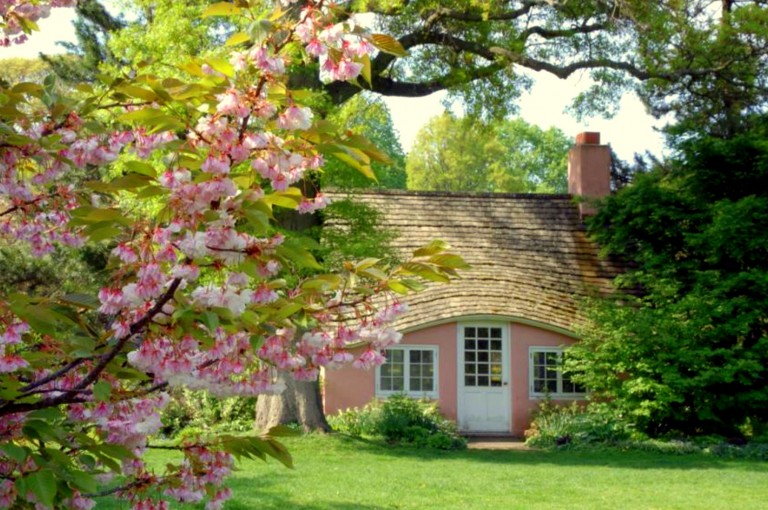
(189, 272)
(112, 301)
(369, 359)
(230, 103)
(78, 502)
(295, 118)
(316, 48)
(11, 363)
(311, 205)
(264, 295)
(13, 333)
(151, 280)
(216, 165)
(125, 253)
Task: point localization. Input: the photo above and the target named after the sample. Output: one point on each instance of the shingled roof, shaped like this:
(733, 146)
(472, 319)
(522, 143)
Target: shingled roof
(530, 256)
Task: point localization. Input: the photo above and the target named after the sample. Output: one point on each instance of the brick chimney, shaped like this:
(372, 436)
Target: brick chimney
(589, 170)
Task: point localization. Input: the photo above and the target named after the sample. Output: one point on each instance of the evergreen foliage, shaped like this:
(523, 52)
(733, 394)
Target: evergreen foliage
(685, 349)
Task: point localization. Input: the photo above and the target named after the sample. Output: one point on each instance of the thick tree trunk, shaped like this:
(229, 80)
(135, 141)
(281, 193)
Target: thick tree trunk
(300, 403)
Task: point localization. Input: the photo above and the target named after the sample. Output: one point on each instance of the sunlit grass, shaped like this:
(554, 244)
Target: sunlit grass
(337, 473)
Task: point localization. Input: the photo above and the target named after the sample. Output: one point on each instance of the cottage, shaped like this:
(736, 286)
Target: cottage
(488, 346)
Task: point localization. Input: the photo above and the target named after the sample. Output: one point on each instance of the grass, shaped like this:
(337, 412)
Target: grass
(339, 473)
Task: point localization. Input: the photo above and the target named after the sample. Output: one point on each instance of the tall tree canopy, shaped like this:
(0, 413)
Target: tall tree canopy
(367, 115)
(679, 55)
(701, 59)
(468, 154)
(687, 350)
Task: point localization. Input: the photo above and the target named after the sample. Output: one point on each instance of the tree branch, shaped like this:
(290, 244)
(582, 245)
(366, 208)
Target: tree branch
(70, 396)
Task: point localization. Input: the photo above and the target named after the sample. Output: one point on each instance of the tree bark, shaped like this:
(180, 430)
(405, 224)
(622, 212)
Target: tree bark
(300, 403)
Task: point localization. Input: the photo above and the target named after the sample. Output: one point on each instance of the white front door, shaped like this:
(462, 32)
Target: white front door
(484, 403)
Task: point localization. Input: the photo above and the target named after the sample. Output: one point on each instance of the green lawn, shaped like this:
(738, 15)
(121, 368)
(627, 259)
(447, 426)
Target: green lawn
(337, 473)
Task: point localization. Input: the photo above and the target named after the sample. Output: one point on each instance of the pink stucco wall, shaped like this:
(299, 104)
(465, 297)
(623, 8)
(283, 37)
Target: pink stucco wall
(522, 337)
(349, 387)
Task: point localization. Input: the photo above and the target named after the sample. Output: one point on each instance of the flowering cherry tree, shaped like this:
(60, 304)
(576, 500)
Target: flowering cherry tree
(204, 291)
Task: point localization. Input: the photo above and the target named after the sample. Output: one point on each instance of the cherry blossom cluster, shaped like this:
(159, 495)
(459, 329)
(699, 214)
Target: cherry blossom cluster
(41, 204)
(14, 14)
(339, 47)
(185, 280)
(228, 368)
(10, 361)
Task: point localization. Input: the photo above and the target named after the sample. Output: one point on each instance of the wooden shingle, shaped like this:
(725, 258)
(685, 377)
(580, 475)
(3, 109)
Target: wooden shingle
(530, 255)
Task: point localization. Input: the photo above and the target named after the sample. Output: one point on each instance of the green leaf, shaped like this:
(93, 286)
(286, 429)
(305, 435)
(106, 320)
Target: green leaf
(99, 232)
(322, 282)
(425, 272)
(82, 480)
(15, 452)
(221, 9)
(238, 38)
(156, 119)
(210, 319)
(101, 391)
(366, 263)
(41, 430)
(140, 167)
(398, 287)
(290, 198)
(299, 256)
(388, 44)
(27, 88)
(449, 260)
(260, 30)
(365, 72)
(151, 191)
(142, 115)
(374, 272)
(138, 92)
(288, 310)
(257, 219)
(43, 485)
(87, 214)
(130, 181)
(222, 66)
(433, 248)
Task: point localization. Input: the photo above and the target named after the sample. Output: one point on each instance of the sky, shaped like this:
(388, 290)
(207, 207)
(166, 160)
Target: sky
(630, 131)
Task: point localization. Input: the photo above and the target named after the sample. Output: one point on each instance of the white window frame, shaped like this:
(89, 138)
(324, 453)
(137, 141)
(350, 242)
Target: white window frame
(559, 394)
(434, 394)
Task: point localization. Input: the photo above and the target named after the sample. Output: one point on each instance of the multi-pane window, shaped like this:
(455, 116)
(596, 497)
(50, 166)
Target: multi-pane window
(546, 374)
(409, 369)
(483, 356)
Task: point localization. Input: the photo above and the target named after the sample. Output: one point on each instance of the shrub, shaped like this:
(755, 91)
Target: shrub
(570, 425)
(200, 411)
(353, 421)
(401, 420)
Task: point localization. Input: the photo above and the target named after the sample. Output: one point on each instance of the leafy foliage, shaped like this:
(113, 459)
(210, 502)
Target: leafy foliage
(687, 349)
(468, 154)
(367, 115)
(402, 420)
(174, 186)
(560, 425)
(202, 412)
(351, 231)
